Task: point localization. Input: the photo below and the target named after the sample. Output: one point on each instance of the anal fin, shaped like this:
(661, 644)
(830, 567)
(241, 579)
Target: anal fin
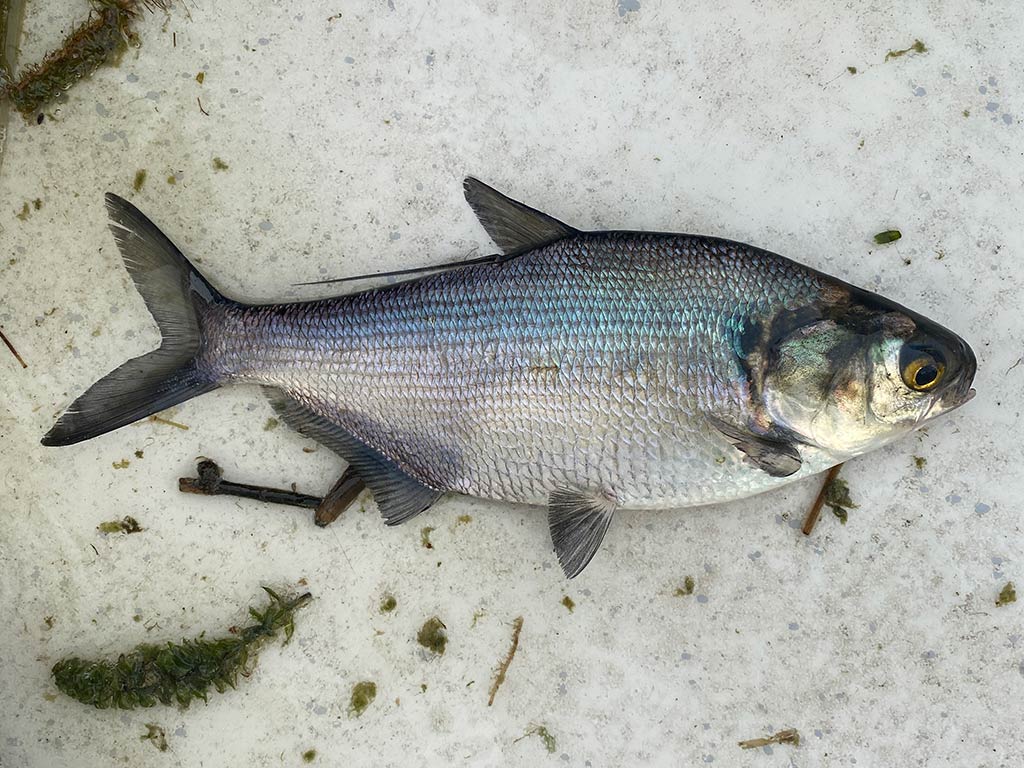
(578, 521)
(398, 494)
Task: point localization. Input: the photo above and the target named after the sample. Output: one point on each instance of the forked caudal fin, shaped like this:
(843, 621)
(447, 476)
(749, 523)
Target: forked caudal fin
(176, 295)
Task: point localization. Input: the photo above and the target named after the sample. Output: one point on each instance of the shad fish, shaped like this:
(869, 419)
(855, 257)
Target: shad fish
(582, 371)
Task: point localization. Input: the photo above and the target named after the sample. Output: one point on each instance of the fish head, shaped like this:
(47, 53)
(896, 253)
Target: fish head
(854, 371)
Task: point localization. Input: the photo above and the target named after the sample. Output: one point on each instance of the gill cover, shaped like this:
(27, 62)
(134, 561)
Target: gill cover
(855, 371)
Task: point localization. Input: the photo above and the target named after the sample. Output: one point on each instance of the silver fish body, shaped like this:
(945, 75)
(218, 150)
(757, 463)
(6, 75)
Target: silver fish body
(589, 363)
(588, 371)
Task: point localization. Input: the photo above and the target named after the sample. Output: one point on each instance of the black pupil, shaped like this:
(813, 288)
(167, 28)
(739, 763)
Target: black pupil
(925, 375)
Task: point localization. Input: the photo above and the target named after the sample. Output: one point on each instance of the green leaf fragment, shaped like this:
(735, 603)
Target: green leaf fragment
(155, 735)
(432, 636)
(550, 744)
(837, 497)
(889, 236)
(127, 524)
(1007, 595)
(363, 694)
(686, 589)
(917, 47)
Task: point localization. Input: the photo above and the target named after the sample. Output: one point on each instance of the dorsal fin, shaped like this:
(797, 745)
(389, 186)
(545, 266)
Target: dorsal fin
(514, 227)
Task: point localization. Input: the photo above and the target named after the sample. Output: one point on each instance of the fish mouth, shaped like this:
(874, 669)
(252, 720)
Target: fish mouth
(955, 397)
(958, 401)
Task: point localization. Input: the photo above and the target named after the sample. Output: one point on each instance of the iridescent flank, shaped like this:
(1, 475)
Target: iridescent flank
(589, 363)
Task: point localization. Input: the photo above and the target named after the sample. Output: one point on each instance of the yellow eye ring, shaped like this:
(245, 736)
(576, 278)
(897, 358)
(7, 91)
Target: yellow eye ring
(923, 373)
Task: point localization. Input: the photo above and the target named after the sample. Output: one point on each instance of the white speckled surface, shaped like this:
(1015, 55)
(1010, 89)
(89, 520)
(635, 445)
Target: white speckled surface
(346, 141)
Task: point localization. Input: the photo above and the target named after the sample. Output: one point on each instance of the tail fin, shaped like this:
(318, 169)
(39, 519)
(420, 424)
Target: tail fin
(176, 295)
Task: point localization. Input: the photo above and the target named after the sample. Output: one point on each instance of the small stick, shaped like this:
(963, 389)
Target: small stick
(788, 736)
(168, 422)
(812, 515)
(210, 483)
(13, 350)
(200, 103)
(339, 498)
(499, 678)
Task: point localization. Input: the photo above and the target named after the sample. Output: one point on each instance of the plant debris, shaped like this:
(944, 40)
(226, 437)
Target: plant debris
(889, 236)
(463, 520)
(177, 673)
(788, 736)
(1007, 595)
(917, 47)
(819, 501)
(545, 735)
(14, 352)
(568, 603)
(852, 70)
(168, 422)
(219, 165)
(920, 462)
(388, 603)
(122, 464)
(127, 524)
(270, 424)
(837, 497)
(101, 39)
(432, 636)
(140, 179)
(210, 483)
(686, 589)
(309, 756)
(363, 695)
(155, 735)
(425, 537)
(499, 677)
(12, 16)
(339, 498)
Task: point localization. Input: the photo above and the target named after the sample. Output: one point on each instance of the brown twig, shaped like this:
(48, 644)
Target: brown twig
(499, 678)
(13, 350)
(339, 498)
(211, 483)
(200, 103)
(788, 736)
(812, 515)
(168, 422)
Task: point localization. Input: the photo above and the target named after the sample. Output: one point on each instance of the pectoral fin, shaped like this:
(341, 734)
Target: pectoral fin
(777, 458)
(398, 494)
(578, 521)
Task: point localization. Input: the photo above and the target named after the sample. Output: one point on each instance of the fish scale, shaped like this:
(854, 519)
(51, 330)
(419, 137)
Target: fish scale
(588, 362)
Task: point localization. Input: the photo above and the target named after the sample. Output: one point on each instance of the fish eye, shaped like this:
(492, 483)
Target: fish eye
(923, 371)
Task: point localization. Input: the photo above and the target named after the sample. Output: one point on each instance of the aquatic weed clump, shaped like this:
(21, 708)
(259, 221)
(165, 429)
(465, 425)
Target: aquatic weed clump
(103, 37)
(177, 673)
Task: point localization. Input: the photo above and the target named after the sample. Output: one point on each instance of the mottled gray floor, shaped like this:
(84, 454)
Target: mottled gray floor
(346, 139)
